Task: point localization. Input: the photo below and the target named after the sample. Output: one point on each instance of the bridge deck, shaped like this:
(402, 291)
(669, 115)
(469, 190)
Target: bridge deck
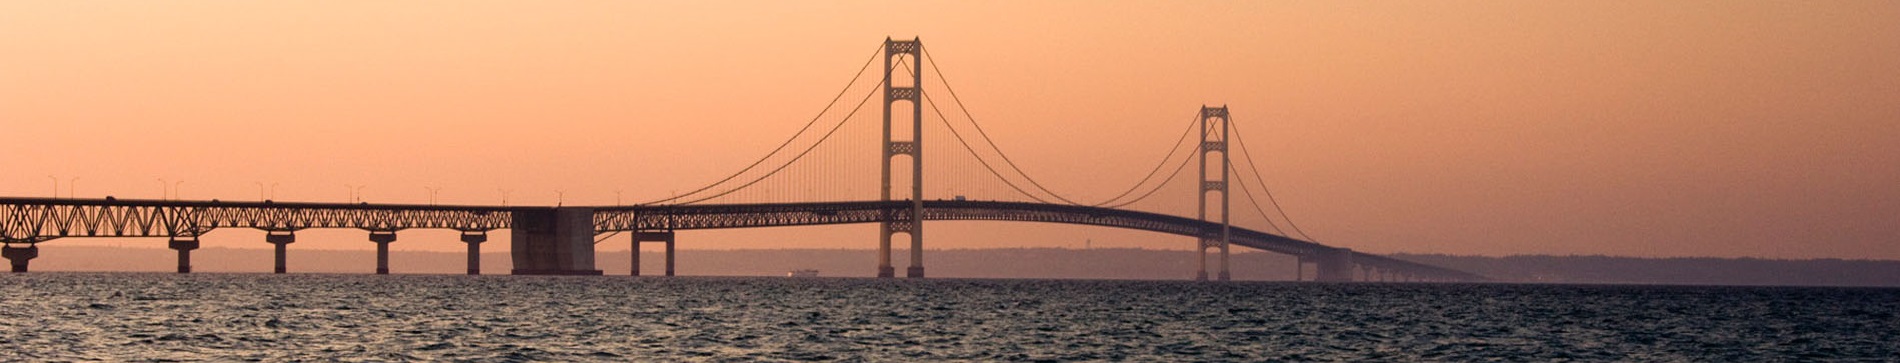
(33, 220)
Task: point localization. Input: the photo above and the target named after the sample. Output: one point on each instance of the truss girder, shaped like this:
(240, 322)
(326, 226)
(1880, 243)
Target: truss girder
(36, 220)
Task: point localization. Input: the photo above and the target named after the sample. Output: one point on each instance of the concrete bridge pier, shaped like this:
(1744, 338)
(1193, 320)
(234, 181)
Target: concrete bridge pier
(1299, 268)
(281, 241)
(184, 247)
(653, 236)
(382, 240)
(1224, 275)
(553, 241)
(1200, 260)
(1333, 265)
(20, 255)
(474, 241)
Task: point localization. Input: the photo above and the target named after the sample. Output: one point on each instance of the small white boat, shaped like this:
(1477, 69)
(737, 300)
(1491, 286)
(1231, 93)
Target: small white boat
(802, 273)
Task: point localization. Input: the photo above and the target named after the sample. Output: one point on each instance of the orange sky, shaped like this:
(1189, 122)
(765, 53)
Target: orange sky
(1679, 128)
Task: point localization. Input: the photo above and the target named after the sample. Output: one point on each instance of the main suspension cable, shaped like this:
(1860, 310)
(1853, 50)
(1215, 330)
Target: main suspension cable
(972, 151)
(1164, 182)
(1255, 168)
(984, 134)
(1157, 168)
(801, 154)
(1256, 206)
(788, 141)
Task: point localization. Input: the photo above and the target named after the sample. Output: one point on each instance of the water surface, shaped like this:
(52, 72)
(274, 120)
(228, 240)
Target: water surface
(261, 317)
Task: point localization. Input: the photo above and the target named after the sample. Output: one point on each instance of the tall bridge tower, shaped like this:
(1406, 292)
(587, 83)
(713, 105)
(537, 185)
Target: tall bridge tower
(1214, 139)
(913, 224)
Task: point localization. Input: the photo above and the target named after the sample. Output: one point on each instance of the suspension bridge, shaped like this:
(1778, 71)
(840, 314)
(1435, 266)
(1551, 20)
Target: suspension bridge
(817, 176)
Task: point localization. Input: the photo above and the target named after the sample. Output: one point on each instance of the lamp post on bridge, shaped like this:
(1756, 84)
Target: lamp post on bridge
(260, 191)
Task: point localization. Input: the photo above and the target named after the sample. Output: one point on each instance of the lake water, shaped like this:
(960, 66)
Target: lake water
(261, 317)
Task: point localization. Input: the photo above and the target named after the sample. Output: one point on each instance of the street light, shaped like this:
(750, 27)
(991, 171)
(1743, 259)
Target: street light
(356, 192)
(72, 188)
(55, 186)
(432, 193)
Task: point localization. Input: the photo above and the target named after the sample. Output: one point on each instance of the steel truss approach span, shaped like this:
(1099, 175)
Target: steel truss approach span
(30, 220)
(34, 220)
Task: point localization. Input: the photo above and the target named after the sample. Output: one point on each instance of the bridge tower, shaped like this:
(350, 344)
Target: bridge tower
(913, 223)
(1214, 139)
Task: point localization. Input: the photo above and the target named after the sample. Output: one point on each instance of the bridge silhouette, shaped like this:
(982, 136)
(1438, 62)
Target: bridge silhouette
(807, 180)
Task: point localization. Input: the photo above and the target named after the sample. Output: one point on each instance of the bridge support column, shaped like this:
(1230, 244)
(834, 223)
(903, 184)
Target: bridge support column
(553, 241)
(636, 257)
(1200, 264)
(1200, 272)
(281, 241)
(656, 236)
(474, 241)
(382, 240)
(20, 255)
(1299, 268)
(1333, 265)
(184, 247)
(884, 269)
(1224, 275)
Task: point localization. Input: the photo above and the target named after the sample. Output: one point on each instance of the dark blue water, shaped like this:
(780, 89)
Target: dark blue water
(237, 317)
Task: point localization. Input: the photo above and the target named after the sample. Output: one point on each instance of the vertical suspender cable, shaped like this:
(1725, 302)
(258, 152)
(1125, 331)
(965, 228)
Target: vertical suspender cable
(1263, 184)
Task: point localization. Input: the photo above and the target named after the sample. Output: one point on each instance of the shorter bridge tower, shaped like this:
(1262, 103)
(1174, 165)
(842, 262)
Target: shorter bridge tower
(1213, 139)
